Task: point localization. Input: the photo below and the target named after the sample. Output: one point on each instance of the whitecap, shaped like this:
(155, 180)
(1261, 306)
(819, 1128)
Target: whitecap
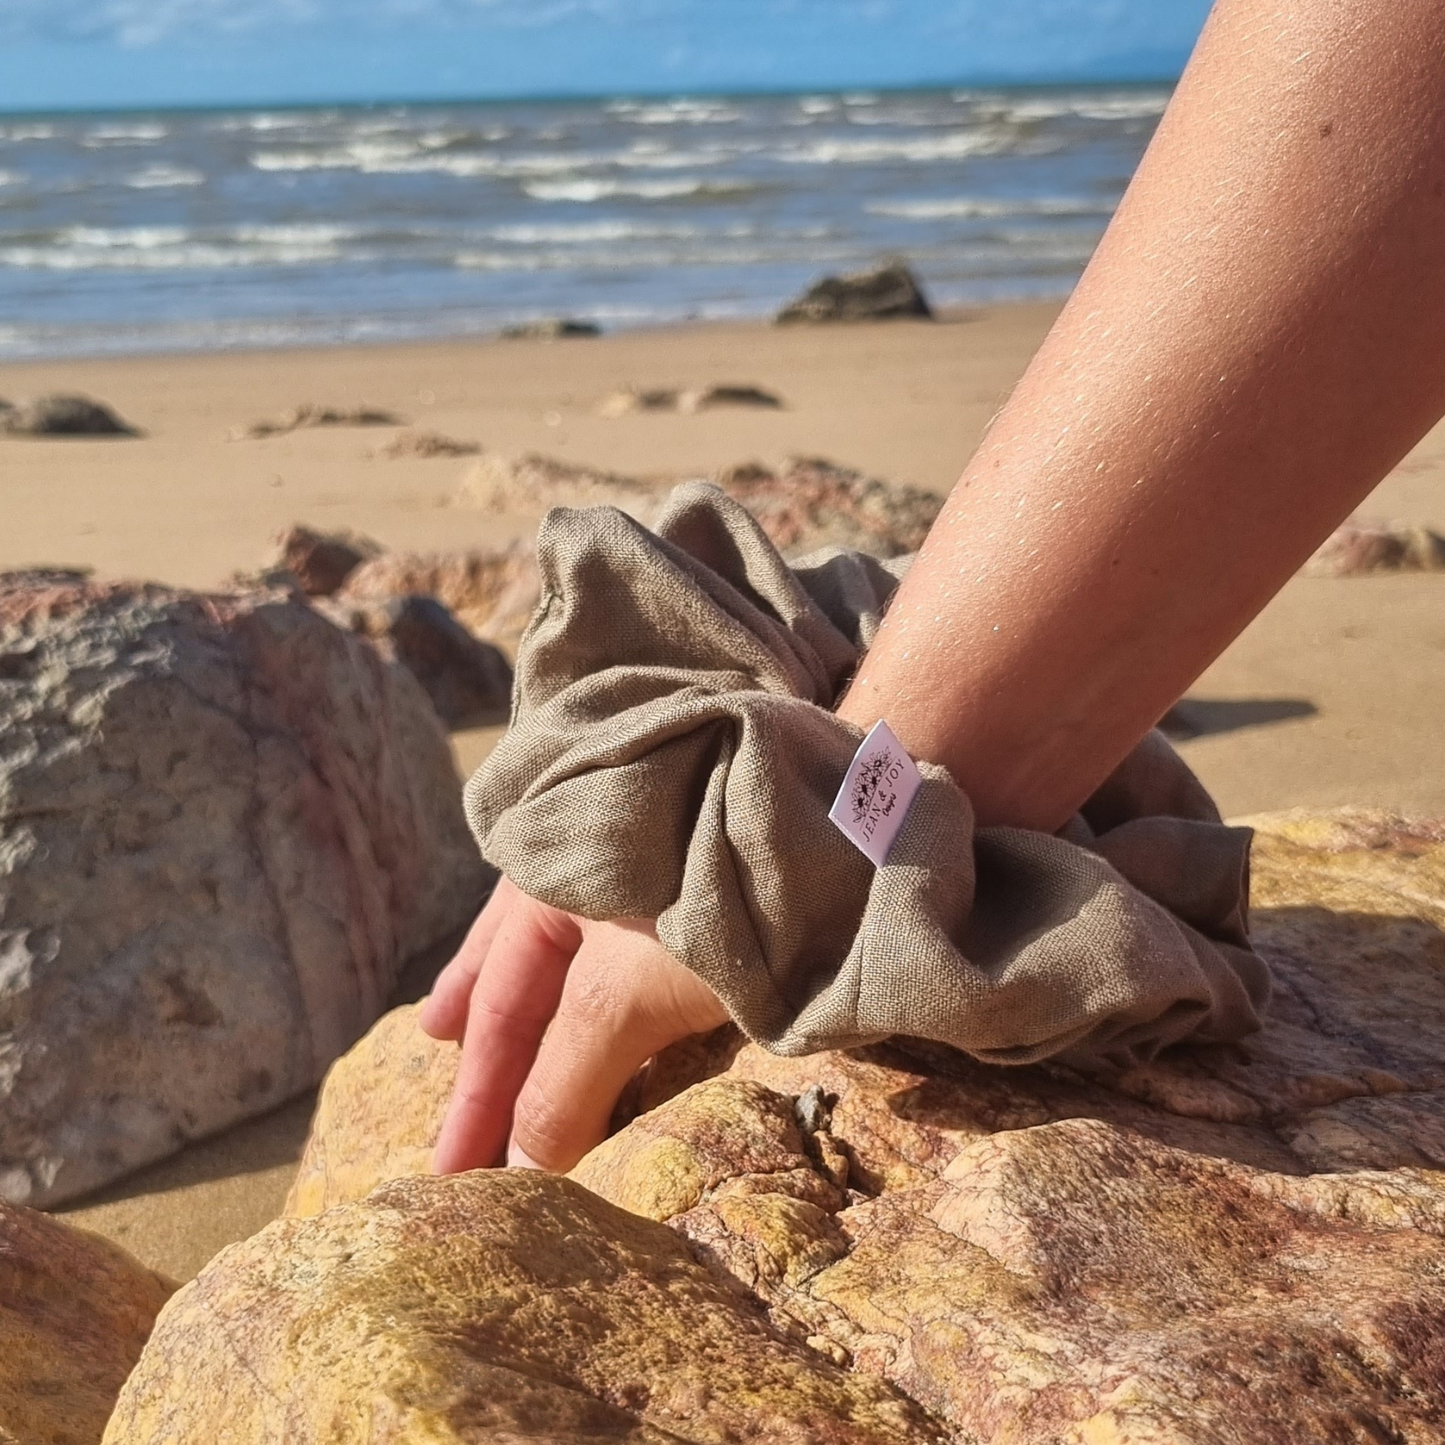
(582, 233)
(963, 207)
(141, 133)
(586, 191)
(163, 177)
(959, 145)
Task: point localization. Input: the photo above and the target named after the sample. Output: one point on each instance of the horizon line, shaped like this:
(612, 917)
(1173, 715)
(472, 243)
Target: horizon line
(580, 97)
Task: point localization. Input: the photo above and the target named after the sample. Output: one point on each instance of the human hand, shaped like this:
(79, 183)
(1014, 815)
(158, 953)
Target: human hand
(554, 1014)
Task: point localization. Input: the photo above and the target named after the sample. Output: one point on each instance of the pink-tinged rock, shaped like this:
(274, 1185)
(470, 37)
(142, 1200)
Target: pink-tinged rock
(803, 503)
(1360, 549)
(320, 561)
(492, 592)
(224, 826)
(75, 1312)
(468, 681)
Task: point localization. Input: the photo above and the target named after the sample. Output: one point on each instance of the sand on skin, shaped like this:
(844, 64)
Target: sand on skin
(1360, 662)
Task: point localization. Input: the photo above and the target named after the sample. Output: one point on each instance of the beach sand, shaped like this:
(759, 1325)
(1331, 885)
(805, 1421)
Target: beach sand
(1334, 695)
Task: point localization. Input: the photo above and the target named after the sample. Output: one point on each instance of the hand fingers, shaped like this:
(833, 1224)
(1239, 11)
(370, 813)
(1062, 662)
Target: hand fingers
(512, 1002)
(444, 1014)
(624, 999)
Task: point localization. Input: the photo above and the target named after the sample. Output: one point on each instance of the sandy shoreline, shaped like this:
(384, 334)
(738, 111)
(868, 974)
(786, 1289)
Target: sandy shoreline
(1351, 671)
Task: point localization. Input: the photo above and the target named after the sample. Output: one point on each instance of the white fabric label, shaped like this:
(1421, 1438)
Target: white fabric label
(877, 791)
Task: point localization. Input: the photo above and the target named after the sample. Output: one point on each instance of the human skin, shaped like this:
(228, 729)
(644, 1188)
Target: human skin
(1259, 338)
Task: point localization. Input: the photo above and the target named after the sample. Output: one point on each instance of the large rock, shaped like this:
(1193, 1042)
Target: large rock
(62, 416)
(494, 1306)
(803, 504)
(491, 591)
(1238, 1243)
(320, 561)
(468, 681)
(224, 825)
(883, 293)
(75, 1312)
(810, 502)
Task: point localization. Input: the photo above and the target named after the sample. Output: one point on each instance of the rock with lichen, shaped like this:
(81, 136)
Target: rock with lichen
(1237, 1243)
(225, 825)
(75, 1312)
(492, 1306)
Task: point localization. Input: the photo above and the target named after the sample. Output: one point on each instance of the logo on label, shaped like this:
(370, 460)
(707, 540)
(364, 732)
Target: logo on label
(877, 790)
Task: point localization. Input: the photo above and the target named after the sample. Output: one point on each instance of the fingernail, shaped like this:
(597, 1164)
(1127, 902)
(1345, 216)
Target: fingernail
(516, 1159)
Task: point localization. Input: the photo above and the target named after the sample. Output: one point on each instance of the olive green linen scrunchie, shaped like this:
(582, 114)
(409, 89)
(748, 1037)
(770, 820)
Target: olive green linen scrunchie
(673, 755)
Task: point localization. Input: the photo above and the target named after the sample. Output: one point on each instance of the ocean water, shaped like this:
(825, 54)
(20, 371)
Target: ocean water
(207, 230)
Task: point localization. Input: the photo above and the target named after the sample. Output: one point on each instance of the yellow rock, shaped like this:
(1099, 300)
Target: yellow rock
(75, 1311)
(378, 1115)
(494, 1306)
(1183, 1253)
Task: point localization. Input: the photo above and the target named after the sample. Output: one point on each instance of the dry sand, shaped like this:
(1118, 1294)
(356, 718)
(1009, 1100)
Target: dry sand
(1334, 695)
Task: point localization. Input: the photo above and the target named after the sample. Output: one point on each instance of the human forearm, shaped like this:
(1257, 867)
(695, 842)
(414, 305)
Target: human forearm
(1257, 341)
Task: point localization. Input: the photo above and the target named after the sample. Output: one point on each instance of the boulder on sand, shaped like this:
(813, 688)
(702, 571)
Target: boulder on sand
(62, 416)
(803, 504)
(491, 591)
(1236, 1243)
(883, 293)
(492, 1306)
(75, 1311)
(225, 824)
(551, 328)
(1361, 548)
(810, 502)
(320, 561)
(468, 681)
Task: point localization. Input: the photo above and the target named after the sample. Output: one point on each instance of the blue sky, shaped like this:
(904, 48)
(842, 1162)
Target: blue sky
(94, 53)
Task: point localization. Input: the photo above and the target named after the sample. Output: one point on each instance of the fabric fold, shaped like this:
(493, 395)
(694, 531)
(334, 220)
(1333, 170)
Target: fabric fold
(673, 754)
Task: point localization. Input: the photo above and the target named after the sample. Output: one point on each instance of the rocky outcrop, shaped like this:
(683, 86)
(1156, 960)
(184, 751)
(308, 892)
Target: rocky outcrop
(62, 416)
(688, 402)
(309, 414)
(468, 681)
(74, 1314)
(884, 293)
(1241, 1243)
(810, 502)
(498, 1305)
(1360, 549)
(803, 504)
(224, 825)
(492, 591)
(320, 561)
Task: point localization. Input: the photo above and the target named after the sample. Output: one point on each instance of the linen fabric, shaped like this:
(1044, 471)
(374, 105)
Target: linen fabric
(673, 755)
